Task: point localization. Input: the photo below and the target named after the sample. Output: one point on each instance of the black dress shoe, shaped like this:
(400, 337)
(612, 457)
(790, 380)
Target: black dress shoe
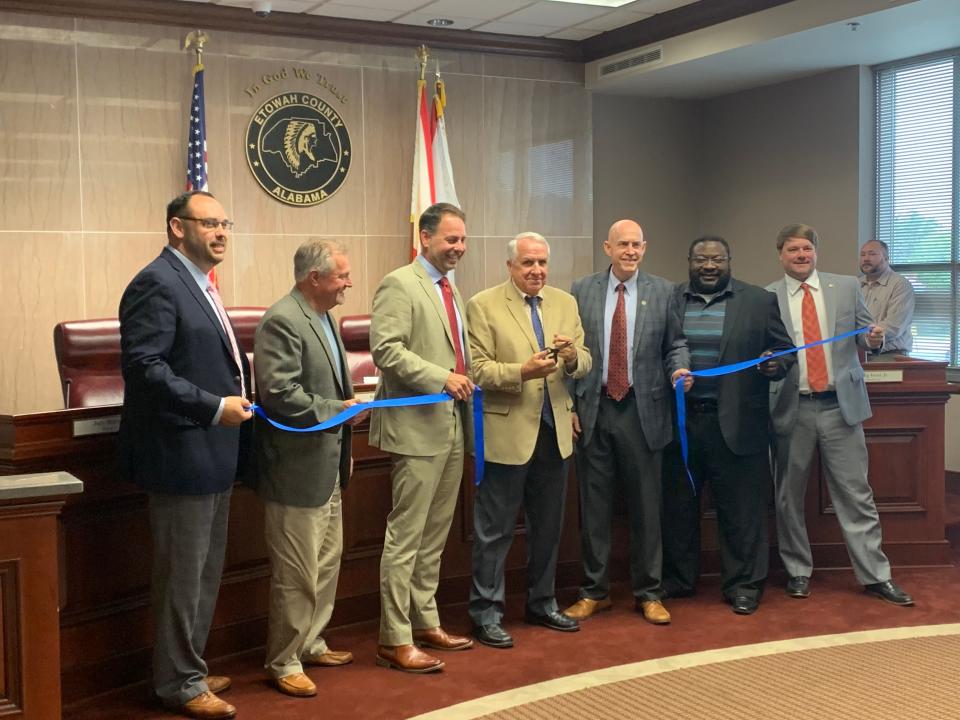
(743, 605)
(493, 635)
(798, 587)
(890, 592)
(554, 620)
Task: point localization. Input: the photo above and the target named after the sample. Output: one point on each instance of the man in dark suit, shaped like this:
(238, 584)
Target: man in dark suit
(821, 406)
(180, 439)
(303, 379)
(622, 416)
(725, 321)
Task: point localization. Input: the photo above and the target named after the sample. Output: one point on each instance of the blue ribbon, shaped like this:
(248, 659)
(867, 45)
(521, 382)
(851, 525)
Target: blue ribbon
(727, 370)
(354, 410)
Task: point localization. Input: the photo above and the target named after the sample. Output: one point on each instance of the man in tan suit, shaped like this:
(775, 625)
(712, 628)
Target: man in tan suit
(525, 340)
(417, 338)
(303, 379)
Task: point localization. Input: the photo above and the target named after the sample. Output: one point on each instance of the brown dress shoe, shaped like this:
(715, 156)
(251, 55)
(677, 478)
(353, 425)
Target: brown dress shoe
(217, 683)
(408, 658)
(297, 685)
(207, 705)
(585, 607)
(654, 612)
(331, 658)
(439, 639)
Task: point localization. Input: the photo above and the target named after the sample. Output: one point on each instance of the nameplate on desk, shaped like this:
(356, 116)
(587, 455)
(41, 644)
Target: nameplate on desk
(883, 376)
(96, 426)
(371, 379)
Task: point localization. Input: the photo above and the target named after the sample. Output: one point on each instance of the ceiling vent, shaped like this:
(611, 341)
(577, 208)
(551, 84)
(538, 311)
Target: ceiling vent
(651, 56)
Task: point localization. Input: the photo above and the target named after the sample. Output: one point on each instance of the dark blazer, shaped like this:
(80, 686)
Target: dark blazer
(751, 326)
(177, 365)
(659, 349)
(298, 384)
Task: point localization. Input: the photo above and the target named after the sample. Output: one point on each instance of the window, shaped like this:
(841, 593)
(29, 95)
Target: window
(917, 184)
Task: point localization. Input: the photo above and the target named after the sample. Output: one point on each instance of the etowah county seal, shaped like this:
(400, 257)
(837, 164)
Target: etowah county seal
(298, 148)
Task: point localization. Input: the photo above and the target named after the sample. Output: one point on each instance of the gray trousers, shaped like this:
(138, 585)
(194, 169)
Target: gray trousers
(819, 425)
(618, 449)
(189, 539)
(539, 486)
(305, 544)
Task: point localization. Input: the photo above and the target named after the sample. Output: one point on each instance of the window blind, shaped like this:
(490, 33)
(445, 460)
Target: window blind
(916, 192)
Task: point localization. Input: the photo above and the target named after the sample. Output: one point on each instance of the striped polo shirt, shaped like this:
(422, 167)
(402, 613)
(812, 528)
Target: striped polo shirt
(703, 325)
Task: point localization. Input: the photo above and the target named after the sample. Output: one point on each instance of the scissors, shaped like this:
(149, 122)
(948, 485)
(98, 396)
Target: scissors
(555, 351)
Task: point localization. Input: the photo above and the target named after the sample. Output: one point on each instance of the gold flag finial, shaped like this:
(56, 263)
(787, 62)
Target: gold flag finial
(423, 55)
(195, 40)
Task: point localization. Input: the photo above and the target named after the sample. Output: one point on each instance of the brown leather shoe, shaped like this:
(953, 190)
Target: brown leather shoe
(439, 639)
(654, 612)
(585, 607)
(217, 683)
(297, 685)
(331, 658)
(207, 705)
(408, 658)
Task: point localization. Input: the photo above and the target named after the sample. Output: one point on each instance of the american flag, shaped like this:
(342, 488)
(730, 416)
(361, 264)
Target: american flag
(197, 138)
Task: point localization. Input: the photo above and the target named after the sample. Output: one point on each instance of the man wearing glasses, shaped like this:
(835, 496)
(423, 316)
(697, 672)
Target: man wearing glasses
(725, 321)
(185, 400)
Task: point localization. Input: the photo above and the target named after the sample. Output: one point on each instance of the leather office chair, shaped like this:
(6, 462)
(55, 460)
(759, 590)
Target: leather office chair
(355, 331)
(88, 356)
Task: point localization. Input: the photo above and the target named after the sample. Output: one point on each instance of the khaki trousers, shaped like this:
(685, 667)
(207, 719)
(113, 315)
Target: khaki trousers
(424, 497)
(304, 544)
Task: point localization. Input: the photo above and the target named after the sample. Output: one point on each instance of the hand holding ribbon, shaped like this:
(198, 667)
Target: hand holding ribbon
(678, 383)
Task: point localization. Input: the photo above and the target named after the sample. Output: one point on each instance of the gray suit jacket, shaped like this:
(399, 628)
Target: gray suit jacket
(299, 384)
(846, 311)
(411, 343)
(659, 348)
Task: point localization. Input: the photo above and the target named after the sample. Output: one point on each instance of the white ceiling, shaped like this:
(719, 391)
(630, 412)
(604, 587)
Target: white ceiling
(799, 38)
(538, 18)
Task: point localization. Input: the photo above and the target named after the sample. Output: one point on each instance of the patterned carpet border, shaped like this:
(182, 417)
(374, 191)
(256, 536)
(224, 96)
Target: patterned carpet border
(513, 699)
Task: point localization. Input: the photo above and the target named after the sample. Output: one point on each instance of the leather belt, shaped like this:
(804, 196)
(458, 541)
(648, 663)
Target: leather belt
(825, 395)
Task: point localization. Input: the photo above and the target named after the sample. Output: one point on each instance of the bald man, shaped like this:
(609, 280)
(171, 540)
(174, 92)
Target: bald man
(633, 327)
(889, 298)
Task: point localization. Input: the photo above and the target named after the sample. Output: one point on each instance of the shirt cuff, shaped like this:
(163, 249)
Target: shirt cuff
(216, 418)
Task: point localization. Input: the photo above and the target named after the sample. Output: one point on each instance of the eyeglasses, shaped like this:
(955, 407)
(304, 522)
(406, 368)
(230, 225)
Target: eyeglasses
(704, 259)
(210, 223)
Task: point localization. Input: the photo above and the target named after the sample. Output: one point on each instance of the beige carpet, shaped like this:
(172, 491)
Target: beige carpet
(896, 674)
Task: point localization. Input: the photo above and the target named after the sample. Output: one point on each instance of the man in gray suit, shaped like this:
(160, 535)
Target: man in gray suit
(821, 405)
(633, 324)
(418, 340)
(303, 379)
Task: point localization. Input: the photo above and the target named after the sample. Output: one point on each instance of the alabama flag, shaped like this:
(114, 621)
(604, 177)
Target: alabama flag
(432, 170)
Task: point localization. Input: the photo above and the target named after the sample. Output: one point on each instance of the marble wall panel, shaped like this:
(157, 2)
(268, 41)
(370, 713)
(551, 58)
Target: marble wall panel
(537, 176)
(109, 262)
(39, 161)
(134, 110)
(515, 66)
(39, 287)
(255, 211)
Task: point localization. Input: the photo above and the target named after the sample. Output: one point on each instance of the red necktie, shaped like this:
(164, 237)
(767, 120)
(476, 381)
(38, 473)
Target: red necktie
(816, 359)
(228, 329)
(447, 293)
(617, 381)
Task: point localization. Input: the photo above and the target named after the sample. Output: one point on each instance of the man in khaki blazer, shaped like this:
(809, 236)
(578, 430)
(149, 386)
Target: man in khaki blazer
(525, 340)
(303, 379)
(417, 338)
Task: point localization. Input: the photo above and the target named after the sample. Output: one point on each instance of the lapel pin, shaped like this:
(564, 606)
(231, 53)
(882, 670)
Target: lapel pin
(643, 302)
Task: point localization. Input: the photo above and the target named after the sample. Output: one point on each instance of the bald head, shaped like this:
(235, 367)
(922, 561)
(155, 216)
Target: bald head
(625, 247)
(874, 259)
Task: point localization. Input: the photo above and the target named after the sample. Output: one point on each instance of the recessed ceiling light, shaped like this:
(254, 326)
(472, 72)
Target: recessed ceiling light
(439, 22)
(601, 3)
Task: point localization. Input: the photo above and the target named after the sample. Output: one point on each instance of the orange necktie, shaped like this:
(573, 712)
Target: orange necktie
(816, 359)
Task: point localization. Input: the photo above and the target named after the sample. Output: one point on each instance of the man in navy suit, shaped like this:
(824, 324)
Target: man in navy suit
(180, 439)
